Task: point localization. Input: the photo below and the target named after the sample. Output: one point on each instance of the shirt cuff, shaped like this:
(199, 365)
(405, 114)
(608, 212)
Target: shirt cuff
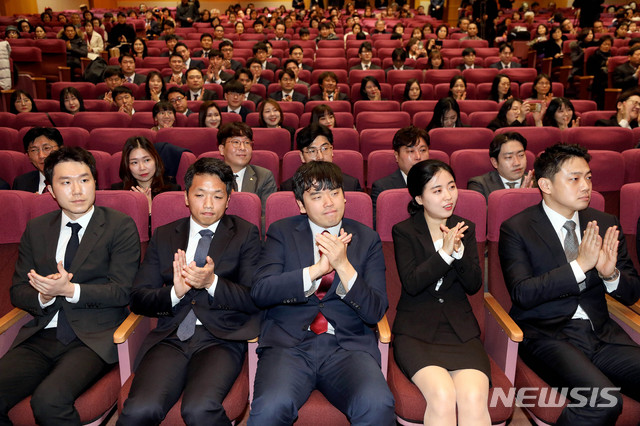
(458, 254)
(212, 290)
(341, 292)
(446, 257)
(307, 283)
(174, 297)
(49, 303)
(612, 285)
(76, 294)
(577, 271)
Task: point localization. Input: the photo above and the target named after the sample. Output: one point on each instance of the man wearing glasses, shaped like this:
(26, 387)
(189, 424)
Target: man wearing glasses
(178, 99)
(628, 107)
(39, 142)
(315, 143)
(113, 77)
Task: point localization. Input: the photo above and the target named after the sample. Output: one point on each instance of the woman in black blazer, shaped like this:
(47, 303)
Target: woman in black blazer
(437, 338)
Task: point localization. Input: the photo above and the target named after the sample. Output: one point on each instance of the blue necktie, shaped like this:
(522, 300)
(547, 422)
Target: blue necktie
(188, 325)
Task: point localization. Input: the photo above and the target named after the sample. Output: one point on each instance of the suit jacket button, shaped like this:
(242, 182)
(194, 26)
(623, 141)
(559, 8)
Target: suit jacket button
(440, 300)
(321, 305)
(193, 302)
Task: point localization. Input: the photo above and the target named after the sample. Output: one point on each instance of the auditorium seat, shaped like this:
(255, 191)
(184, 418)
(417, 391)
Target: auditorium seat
(589, 118)
(609, 138)
(9, 139)
(267, 159)
(290, 120)
(375, 106)
(336, 106)
(344, 120)
(450, 140)
(440, 76)
(197, 140)
(382, 162)
(86, 89)
(480, 75)
(95, 120)
(386, 91)
(356, 76)
(469, 163)
(376, 120)
(351, 163)
(111, 140)
(607, 177)
(276, 140)
(525, 89)
(538, 138)
(422, 119)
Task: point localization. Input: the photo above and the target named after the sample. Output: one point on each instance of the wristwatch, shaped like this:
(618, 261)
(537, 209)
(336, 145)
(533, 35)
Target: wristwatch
(612, 277)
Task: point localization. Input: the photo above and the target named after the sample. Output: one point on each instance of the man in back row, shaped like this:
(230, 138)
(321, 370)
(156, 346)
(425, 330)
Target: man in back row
(39, 143)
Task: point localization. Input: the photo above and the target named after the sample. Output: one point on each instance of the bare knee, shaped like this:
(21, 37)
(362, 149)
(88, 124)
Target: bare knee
(472, 401)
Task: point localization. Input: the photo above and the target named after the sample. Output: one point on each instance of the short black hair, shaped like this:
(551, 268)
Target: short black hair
(169, 23)
(504, 45)
(48, 132)
(365, 45)
(69, 153)
(409, 136)
(496, 144)
(119, 91)
(468, 51)
(319, 175)
(288, 72)
(210, 166)
(308, 134)
(234, 128)
(326, 74)
(548, 164)
(233, 86)
(294, 47)
(259, 46)
(125, 54)
(419, 175)
(225, 43)
(175, 89)
(206, 35)
(399, 54)
(193, 69)
(112, 71)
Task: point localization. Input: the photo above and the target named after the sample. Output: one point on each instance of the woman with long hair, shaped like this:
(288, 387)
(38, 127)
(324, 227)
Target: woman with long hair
(142, 170)
(164, 115)
(21, 101)
(512, 113)
(446, 113)
(500, 88)
(370, 89)
(412, 90)
(541, 90)
(210, 115)
(561, 114)
(139, 48)
(71, 101)
(437, 259)
(155, 87)
(458, 88)
(323, 114)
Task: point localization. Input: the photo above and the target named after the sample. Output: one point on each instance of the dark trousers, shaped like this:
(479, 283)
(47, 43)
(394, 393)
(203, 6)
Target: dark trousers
(350, 380)
(202, 369)
(52, 373)
(587, 362)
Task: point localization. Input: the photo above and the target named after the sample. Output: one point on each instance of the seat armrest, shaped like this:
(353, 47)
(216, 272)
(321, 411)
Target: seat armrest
(501, 336)
(625, 317)
(10, 324)
(636, 307)
(384, 331)
(129, 337)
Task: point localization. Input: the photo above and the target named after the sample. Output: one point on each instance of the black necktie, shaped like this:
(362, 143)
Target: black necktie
(188, 325)
(64, 332)
(511, 185)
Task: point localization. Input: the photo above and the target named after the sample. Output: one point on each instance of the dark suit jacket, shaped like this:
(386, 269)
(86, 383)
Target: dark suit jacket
(27, 182)
(235, 65)
(392, 181)
(194, 63)
(270, 66)
(624, 77)
(499, 66)
(420, 267)
(487, 183)
(139, 78)
(208, 95)
(231, 313)
(341, 97)
(243, 112)
(264, 82)
(256, 99)
(543, 289)
(613, 122)
(259, 181)
(278, 287)
(461, 67)
(372, 66)
(404, 68)
(198, 53)
(105, 265)
(4, 185)
(349, 183)
(297, 97)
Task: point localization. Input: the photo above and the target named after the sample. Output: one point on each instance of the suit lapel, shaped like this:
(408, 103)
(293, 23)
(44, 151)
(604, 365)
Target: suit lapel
(249, 182)
(180, 238)
(304, 243)
(94, 231)
(541, 224)
(222, 238)
(51, 237)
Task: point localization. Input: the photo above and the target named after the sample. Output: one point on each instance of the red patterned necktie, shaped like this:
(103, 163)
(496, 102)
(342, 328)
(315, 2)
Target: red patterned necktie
(319, 324)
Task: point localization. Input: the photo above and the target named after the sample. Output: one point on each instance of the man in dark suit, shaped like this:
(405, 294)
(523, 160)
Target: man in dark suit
(328, 82)
(295, 67)
(216, 73)
(256, 70)
(365, 53)
(38, 142)
(260, 52)
(508, 158)
(320, 278)
(506, 58)
(226, 47)
(296, 53)
(559, 259)
(245, 77)
(280, 32)
(469, 59)
(235, 143)
(195, 84)
(315, 143)
(170, 42)
(628, 108)
(178, 75)
(288, 94)
(410, 146)
(206, 41)
(113, 77)
(399, 57)
(128, 66)
(121, 32)
(234, 95)
(189, 63)
(625, 76)
(178, 99)
(198, 287)
(73, 275)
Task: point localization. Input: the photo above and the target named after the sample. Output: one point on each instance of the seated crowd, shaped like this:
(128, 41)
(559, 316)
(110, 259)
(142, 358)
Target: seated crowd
(314, 286)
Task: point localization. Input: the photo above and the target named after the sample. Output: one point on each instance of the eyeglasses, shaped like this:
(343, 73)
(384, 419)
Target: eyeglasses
(176, 100)
(237, 142)
(45, 149)
(314, 151)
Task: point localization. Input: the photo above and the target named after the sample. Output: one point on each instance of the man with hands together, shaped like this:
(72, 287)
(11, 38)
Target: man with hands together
(559, 259)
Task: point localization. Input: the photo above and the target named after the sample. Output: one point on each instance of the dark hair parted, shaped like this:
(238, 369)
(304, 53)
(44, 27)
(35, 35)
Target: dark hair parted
(210, 166)
(496, 144)
(204, 109)
(419, 175)
(261, 108)
(234, 128)
(70, 91)
(128, 181)
(441, 108)
(319, 175)
(363, 86)
(320, 111)
(68, 154)
(308, 134)
(409, 136)
(549, 162)
(549, 118)
(48, 132)
(14, 97)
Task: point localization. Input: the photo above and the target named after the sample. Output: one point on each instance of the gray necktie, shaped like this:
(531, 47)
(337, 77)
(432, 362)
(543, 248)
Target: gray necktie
(571, 245)
(511, 185)
(188, 325)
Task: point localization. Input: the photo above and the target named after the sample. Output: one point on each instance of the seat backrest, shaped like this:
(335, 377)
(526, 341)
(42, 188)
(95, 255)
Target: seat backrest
(350, 162)
(276, 140)
(610, 138)
(480, 75)
(86, 89)
(375, 120)
(112, 140)
(414, 107)
(379, 106)
(589, 118)
(401, 76)
(450, 140)
(631, 159)
(19, 203)
(9, 138)
(521, 75)
(283, 204)
(267, 159)
(382, 163)
(197, 140)
(94, 120)
(336, 106)
(629, 213)
(538, 138)
(440, 76)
